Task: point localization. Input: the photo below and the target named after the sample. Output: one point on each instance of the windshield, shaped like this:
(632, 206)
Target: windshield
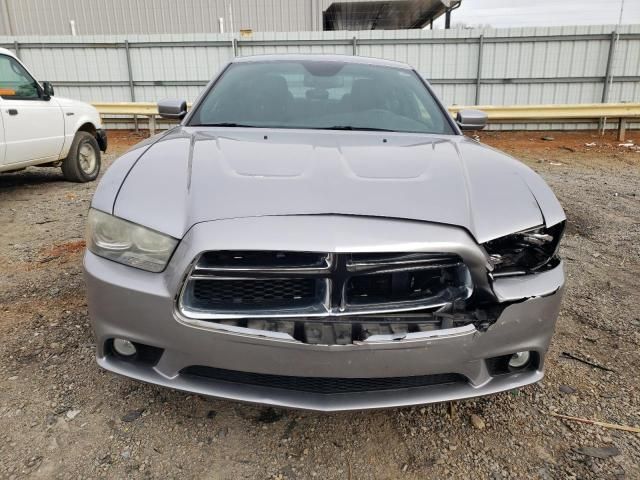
(321, 95)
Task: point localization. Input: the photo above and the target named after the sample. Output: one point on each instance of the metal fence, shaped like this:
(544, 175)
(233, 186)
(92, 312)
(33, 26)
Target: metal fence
(554, 65)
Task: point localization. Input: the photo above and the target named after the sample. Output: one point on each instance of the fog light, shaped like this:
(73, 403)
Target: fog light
(124, 347)
(519, 359)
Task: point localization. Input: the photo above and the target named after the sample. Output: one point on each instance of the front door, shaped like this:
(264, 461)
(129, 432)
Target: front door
(2, 142)
(33, 126)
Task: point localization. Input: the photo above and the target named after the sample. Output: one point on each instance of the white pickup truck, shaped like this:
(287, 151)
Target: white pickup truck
(38, 129)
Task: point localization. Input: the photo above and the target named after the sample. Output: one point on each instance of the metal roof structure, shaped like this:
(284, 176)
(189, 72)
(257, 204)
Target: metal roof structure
(382, 14)
(145, 17)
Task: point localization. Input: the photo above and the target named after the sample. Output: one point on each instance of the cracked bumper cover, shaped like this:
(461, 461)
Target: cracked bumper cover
(140, 306)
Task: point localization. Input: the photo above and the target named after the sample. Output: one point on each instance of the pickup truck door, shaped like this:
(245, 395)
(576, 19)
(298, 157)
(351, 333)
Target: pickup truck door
(2, 142)
(33, 125)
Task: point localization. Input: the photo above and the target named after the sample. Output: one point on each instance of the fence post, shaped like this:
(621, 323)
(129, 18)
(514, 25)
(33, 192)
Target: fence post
(622, 128)
(132, 92)
(16, 48)
(234, 46)
(607, 76)
(354, 45)
(479, 69)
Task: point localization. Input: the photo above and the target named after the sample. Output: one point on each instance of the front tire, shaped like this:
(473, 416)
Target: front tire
(83, 161)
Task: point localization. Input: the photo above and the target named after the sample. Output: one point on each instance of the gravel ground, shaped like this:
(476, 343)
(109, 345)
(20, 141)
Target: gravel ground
(62, 417)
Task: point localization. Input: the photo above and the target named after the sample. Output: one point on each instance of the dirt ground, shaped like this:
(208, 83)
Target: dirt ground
(62, 417)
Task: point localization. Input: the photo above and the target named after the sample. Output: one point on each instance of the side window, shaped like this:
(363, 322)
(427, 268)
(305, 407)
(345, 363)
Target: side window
(15, 81)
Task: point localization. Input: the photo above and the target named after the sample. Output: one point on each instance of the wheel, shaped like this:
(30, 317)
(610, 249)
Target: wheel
(83, 161)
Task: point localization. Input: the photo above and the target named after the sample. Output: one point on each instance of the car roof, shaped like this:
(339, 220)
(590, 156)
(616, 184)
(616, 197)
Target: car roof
(296, 57)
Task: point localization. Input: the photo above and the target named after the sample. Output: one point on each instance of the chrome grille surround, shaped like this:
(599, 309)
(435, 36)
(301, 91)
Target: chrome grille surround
(334, 274)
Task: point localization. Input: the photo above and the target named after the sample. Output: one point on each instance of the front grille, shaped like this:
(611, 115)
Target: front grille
(254, 284)
(254, 294)
(394, 287)
(323, 385)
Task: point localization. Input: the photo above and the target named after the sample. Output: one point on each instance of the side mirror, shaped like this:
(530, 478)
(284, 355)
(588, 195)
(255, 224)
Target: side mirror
(47, 90)
(172, 108)
(471, 119)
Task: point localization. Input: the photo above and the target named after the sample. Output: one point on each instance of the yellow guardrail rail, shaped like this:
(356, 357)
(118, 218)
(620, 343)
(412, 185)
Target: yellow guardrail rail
(127, 108)
(496, 113)
(557, 112)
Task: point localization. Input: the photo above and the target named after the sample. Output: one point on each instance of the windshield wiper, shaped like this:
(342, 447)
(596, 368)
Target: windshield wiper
(225, 124)
(351, 127)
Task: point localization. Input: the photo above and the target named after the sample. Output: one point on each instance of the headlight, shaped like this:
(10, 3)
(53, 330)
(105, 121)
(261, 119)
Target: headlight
(128, 243)
(525, 251)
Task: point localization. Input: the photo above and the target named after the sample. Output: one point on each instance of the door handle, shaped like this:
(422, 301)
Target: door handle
(12, 111)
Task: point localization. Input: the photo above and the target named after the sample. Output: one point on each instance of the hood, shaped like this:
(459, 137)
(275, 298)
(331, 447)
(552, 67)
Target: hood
(68, 102)
(77, 106)
(196, 175)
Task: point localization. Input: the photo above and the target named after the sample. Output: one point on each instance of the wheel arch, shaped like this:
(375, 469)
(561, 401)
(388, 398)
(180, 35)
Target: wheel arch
(87, 127)
(97, 133)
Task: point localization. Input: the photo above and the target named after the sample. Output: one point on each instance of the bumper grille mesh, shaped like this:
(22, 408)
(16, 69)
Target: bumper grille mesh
(323, 385)
(253, 293)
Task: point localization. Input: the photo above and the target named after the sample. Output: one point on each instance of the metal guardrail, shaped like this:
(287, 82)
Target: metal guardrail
(127, 108)
(496, 113)
(620, 112)
(134, 109)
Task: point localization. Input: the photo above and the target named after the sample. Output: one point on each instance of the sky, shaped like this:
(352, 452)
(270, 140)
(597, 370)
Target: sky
(524, 13)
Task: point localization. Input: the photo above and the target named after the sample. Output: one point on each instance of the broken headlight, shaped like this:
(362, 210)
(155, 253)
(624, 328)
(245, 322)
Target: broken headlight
(525, 251)
(128, 243)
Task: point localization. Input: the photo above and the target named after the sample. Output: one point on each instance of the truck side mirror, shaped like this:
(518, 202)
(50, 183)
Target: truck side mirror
(172, 108)
(471, 119)
(47, 90)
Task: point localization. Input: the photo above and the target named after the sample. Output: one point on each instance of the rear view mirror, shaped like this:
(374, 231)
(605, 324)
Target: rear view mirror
(323, 82)
(471, 119)
(172, 108)
(47, 90)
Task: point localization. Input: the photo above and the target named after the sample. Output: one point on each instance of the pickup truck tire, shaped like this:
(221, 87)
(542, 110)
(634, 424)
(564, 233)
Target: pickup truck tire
(83, 161)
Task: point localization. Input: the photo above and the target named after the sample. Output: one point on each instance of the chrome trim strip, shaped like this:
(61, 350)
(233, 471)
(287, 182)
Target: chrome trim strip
(417, 259)
(242, 277)
(328, 265)
(300, 312)
(390, 268)
(373, 339)
(267, 270)
(252, 332)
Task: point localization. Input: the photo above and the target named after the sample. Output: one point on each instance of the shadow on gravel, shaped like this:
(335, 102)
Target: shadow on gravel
(30, 177)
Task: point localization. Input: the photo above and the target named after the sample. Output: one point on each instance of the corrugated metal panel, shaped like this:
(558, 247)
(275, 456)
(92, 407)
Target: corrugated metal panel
(52, 17)
(547, 65)
(433, 61)
(109, 17)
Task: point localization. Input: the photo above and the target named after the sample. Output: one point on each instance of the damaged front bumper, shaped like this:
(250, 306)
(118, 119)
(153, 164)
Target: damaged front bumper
(193, 355)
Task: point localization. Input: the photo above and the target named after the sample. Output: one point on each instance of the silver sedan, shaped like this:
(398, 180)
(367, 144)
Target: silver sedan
(317, 233)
